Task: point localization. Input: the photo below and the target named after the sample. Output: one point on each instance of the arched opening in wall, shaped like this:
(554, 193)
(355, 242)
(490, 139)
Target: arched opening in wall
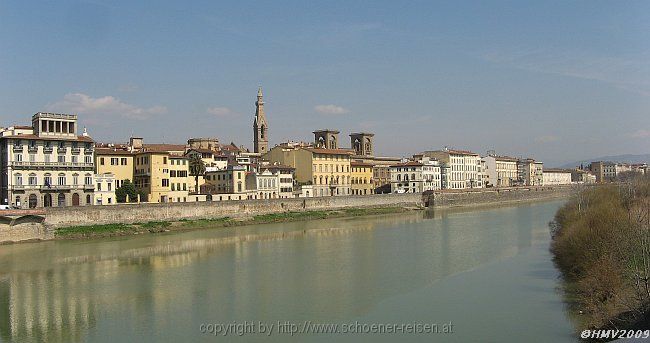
(32, 201)
(17, 203)
(60, 200)
(75, 199)
(47, 200)
(88, 200)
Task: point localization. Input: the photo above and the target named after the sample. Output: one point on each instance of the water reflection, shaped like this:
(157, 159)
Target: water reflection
(162, 287)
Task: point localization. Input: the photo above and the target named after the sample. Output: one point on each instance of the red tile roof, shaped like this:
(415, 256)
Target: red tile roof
(330, 151)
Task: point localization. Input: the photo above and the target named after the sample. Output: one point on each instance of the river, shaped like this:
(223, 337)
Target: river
(486, 271)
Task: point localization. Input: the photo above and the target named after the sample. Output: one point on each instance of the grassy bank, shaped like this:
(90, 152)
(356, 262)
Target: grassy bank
(110, 230)
(601, 244)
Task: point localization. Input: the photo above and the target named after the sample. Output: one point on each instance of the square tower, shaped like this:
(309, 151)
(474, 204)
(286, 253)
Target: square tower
(361, 142)
(326, 139)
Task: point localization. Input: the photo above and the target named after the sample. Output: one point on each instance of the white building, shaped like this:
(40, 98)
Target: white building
(415, 176)
(46, 164)
(105, 189)
(556, 177)
(530, 172)
(501, 171)
(464, 168)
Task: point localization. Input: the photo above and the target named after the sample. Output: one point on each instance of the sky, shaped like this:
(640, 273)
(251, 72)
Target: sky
(558, 81)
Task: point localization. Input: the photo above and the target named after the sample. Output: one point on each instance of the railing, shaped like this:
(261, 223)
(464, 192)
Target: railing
(55, 187)
(51, 164)
(52, 187)
(18, 148)
(32, 148)
(47, 149)
(90, 187)
(76, 150)
(89, 151)
(61, 150)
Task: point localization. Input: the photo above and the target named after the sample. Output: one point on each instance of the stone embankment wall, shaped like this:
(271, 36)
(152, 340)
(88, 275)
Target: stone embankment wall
(140, 213)
(497, 196)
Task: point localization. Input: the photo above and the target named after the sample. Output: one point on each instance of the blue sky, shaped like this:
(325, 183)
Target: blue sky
(557, 81)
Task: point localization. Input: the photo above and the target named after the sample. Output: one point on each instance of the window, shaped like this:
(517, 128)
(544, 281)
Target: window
(47, 159)
(75, 159)
(123, 161)
(75, 179)
(88, 180)
(19, 157)
(32, 158)
(48, 180)
(19, 179)
(33, 181)
(101, 161)
(114, 161)
(109, 186)
(61, 180)
(99, 186)
(89, 159)
(165, 182)
(61, 159)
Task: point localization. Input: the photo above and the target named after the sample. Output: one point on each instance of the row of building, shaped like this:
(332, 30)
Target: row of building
(52, 164)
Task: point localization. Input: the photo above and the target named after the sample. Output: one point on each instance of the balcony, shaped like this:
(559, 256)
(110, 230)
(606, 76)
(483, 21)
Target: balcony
(76, 151)
(89, 187)
(48, 149)
(55, 187)
(27, 164)
(24, 187)
(32, 148)
(18, 148)
(60, 150)
(89, 151)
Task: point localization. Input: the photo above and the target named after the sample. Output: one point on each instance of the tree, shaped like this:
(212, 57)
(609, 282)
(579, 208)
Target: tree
(197, 168)
(127, 189)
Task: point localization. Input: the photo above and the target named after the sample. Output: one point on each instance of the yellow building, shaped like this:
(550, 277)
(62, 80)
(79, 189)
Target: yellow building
(118, 162)
(180, 181)
(328, 170)
(153, 175)
(231, 182)
(361, 178)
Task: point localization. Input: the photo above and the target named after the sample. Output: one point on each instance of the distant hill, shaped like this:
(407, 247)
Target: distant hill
(617, 158)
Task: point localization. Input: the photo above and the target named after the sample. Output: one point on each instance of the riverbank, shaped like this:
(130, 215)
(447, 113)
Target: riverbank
(113, 230)
(127, 219)
(601, 244)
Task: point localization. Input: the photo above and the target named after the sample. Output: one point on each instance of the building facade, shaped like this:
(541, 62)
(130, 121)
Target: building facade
(416, 176)
(105, 189)
(530, 172)
(501, 171)
(361, 178)
(463, 168)
(557, 177)
(118, 162)
(47, 164)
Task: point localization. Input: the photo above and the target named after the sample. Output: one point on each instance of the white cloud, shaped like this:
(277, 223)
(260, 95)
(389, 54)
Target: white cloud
(640, 134)
(106, 105)
(221, 111)
(331, 109)
(547, 139)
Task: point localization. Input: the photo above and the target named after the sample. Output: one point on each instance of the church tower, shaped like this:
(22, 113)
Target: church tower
(260, 126)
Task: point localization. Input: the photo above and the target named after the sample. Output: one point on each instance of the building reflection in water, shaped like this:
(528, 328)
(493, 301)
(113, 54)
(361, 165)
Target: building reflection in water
(321, 270)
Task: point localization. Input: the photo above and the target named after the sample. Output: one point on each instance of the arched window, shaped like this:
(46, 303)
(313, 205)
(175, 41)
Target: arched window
(263, 132)
(413, 176)
(61, 200)
(32, 201)
(18, 204)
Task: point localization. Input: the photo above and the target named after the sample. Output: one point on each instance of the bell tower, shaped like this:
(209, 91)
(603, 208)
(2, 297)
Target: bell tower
(260, 126)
